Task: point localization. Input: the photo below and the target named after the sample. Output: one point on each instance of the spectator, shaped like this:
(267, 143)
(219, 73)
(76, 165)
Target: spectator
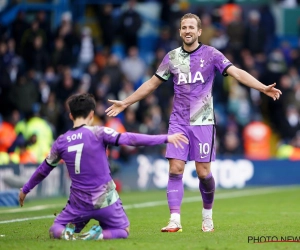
(295, 58)
(50, 111)
(107, 23)
(238, 103)
(66, 31)
(290, 150)
(7, 135)
(23, 95)
(37, 134)
(85, 84)
(66, 86)
(275, 65)
(170, 15)
(95, 75)
(236, 34)
(18, 28)
(39, 58)
(60, 56)
(51, 77)
(267, 22)
(220, 40)
(126, 90)
(231, 145)
(133, 61)
(44, 91)
(101, 58)
(257, 136)
(228, 12)
(5, 86)
(86, 49)
(288, 98)
(130, 122)
(28, 40)
(255, 38)
(102, 88)
(113, 70)
(289, 123)
(130, 23)
(208, 30)
(166, 41)
(44, 25)
(4, 56)
(11, 50)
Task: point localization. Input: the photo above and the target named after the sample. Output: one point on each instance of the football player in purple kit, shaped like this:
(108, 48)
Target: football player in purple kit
(193, 67)
(93, 193)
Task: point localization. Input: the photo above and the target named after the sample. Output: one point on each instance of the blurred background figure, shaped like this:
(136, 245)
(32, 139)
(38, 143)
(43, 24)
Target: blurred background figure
(257, 141)
(130, 24)
(86, 49)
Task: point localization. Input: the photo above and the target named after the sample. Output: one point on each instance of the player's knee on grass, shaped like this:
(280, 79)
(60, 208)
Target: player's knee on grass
(55, 231)
(125, 235)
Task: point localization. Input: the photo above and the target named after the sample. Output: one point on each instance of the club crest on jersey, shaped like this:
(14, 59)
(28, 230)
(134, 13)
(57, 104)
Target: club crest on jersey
(202, 63)
(183, 78)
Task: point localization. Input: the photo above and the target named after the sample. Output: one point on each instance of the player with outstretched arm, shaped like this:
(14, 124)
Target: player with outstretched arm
(93, 193)
(193, 67)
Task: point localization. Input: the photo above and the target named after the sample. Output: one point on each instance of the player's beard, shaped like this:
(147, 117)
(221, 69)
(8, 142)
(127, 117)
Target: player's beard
(191, 42)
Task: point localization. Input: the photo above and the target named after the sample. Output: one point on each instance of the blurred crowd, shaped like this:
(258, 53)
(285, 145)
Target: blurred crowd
(40, 67)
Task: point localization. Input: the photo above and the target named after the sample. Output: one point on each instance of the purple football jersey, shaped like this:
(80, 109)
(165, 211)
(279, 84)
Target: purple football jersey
(84, 151)
(193, 77)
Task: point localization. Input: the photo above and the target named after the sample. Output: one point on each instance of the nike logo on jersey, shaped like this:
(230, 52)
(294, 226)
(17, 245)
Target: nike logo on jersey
(203, 156)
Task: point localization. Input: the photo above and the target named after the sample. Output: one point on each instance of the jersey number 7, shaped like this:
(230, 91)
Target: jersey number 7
(78, 148)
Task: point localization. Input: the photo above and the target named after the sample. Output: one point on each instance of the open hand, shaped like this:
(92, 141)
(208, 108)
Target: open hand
(177, 138)
(116, 108)
(21, 197)
(272, 92)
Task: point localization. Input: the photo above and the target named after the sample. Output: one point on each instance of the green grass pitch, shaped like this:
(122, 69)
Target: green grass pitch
(238, 214)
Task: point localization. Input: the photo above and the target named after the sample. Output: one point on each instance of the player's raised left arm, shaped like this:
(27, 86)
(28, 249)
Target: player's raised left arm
(250, 81)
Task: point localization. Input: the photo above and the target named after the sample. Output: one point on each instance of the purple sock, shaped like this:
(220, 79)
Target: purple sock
(56, 230)
(115, 234)
(175, 192)
(207, 189)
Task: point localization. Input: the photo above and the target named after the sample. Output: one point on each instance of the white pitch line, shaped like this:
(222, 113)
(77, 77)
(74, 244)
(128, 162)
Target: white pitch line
(234, 194)
(26, 219)
(28, 209)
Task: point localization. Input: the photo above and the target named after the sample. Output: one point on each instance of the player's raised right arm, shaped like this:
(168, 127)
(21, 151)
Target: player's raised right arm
(112, 137)
(145, 89)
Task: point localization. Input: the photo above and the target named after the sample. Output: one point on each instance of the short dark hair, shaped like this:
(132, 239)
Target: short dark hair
(190, 15)
(81, 105)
